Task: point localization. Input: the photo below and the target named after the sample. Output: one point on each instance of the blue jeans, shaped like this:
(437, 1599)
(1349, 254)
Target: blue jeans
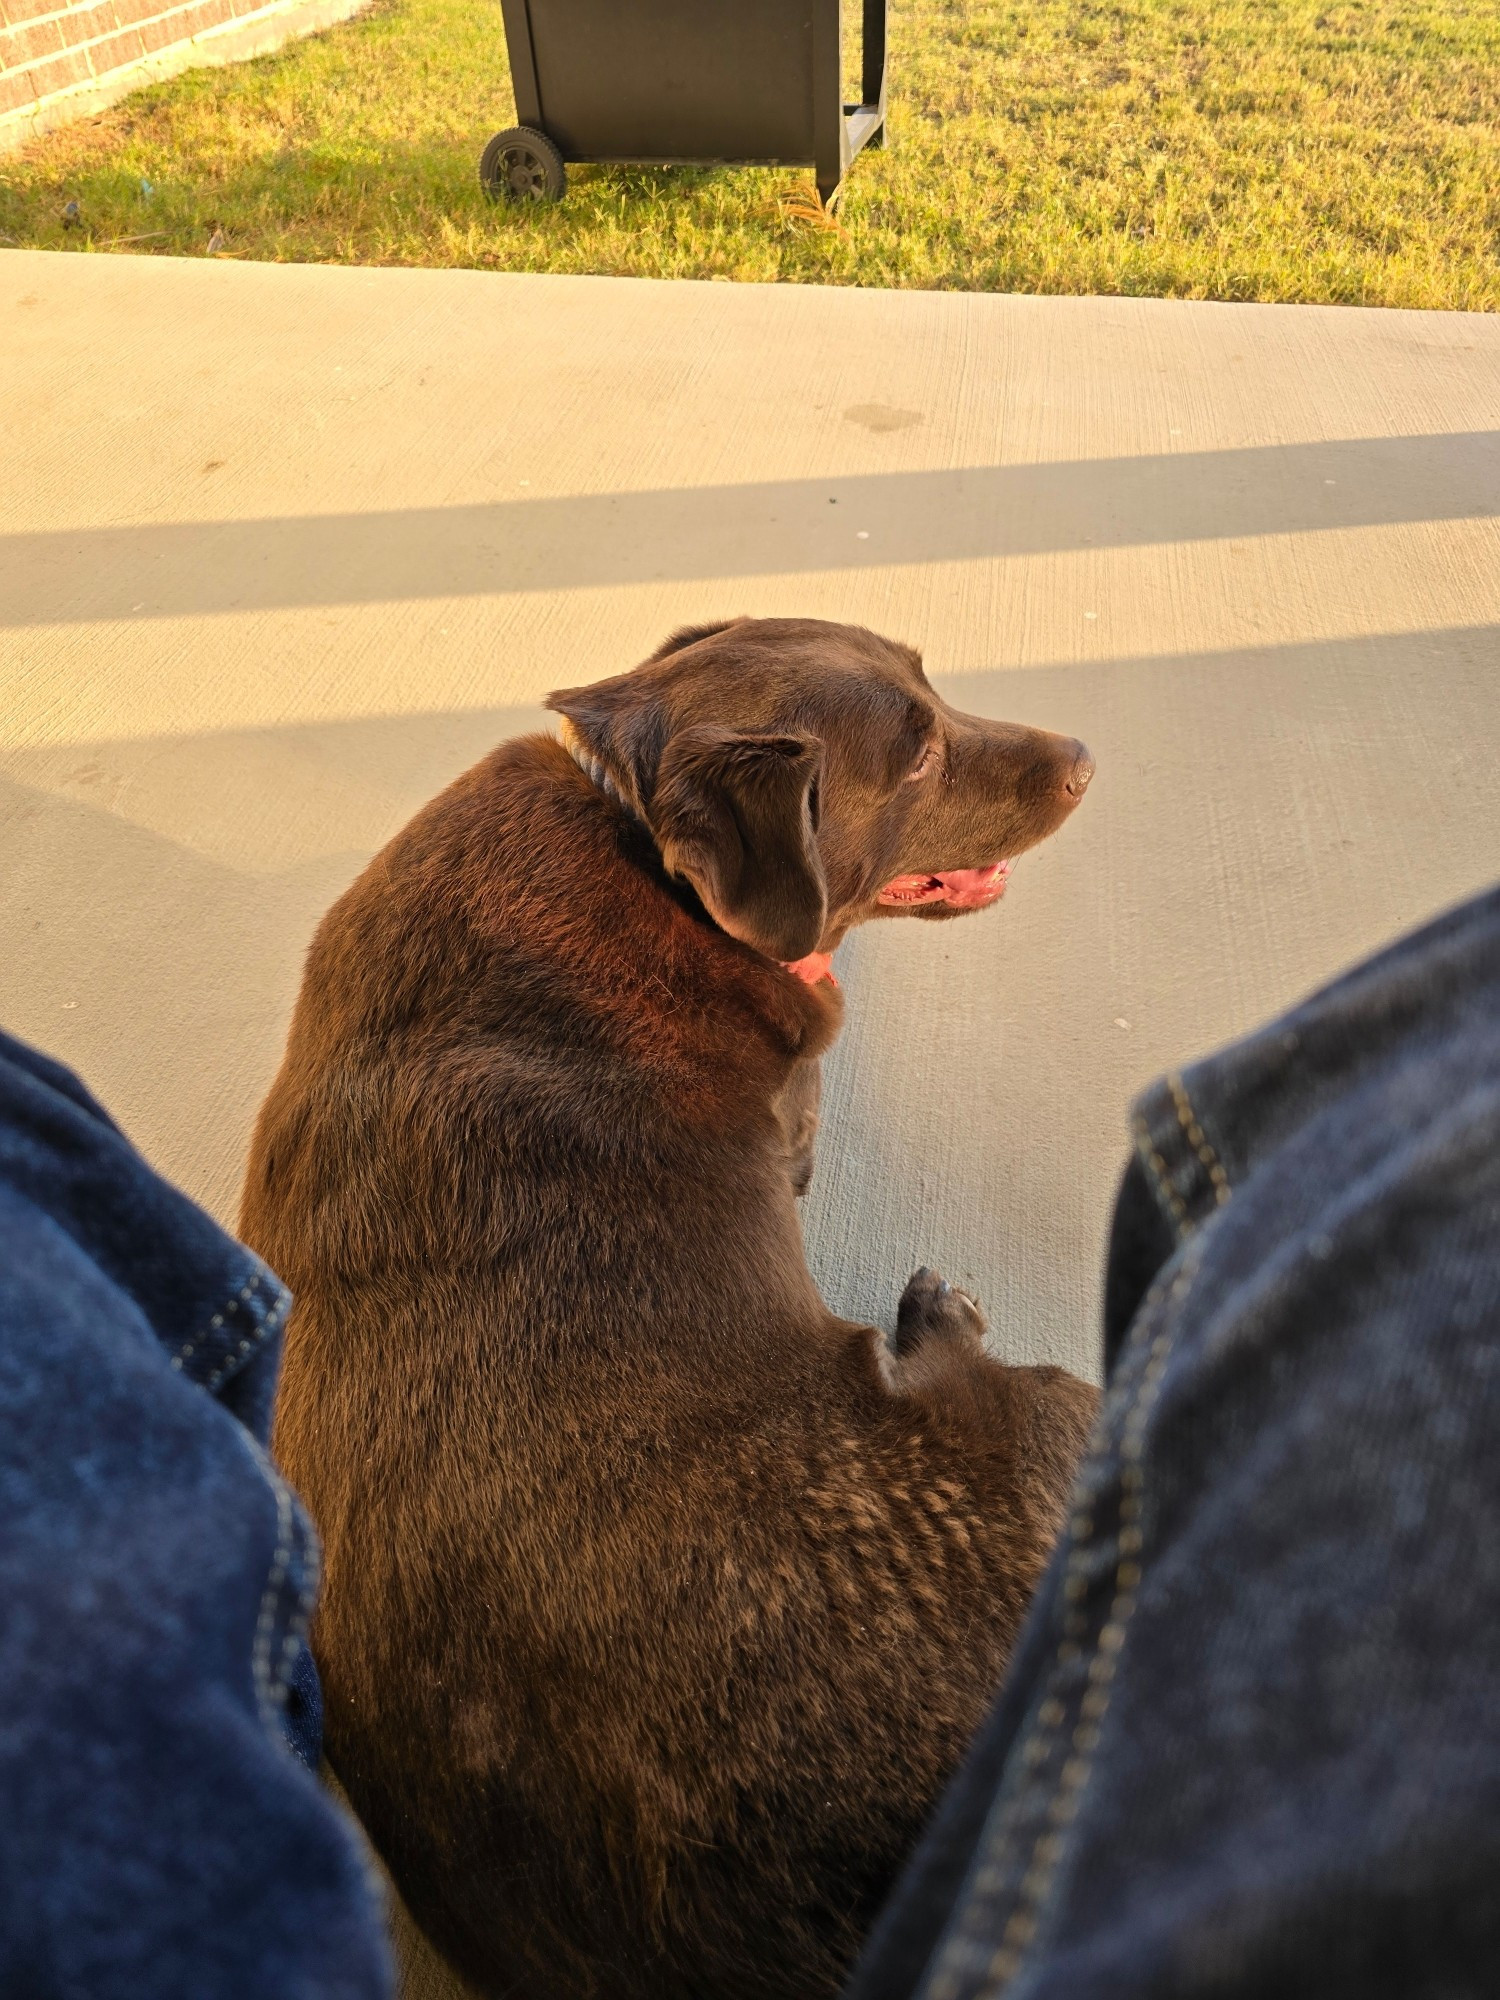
(162, 1836)
(1250, 1744)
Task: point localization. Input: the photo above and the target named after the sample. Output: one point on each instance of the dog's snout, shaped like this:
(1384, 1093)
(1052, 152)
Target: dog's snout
(1082, 769)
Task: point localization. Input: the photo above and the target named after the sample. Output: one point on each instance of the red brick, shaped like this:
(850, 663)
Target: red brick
(129, 13)
(183, 23)
(29, 44)
(208, 14)
(87, 24)
(28, 10)
(114, 51)
(163, 31)
(15, 91)
(72, 66)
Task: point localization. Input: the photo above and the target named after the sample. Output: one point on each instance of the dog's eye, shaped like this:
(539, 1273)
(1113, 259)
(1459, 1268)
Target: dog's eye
(923, 764)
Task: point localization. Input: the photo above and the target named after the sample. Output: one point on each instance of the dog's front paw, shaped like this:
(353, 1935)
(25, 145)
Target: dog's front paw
(931, 1308)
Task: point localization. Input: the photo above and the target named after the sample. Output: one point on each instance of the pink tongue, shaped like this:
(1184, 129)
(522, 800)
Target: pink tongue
(816, 967)
(965, 882)
(958, 888)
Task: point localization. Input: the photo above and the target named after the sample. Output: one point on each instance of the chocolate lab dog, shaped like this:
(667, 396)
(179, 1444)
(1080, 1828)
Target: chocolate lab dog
(660, 1602)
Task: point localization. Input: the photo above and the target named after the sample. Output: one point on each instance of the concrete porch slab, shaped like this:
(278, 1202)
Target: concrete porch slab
(285, 548)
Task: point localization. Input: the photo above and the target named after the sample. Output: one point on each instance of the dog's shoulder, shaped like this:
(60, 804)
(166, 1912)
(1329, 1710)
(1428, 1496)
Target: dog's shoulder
(524, 910)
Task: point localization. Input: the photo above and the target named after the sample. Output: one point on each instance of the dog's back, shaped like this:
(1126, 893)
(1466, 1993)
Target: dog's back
(656, 1609)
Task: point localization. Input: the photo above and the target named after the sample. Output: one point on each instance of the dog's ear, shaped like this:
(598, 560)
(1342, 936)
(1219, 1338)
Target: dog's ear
(622, 722)
(736, 816)
(689, 635)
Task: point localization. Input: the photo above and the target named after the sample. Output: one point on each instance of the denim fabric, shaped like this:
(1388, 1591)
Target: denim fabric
(158, 1835)
(1250, 1744)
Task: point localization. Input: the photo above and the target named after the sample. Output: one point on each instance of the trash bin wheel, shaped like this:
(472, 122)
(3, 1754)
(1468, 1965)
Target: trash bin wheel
(522, 165)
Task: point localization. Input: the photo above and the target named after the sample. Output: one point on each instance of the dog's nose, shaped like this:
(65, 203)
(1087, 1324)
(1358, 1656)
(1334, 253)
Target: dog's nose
(1077, 781)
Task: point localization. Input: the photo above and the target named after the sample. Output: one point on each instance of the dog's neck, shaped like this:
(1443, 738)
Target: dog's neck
(817, 966)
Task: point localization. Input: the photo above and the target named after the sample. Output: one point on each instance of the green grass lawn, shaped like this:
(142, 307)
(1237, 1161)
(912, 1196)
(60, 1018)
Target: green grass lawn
(1336, 150)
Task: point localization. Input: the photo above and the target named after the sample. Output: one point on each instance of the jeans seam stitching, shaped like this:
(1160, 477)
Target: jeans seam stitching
(271, 1680)
(265, 1326)
(243, 1297)
(1157, 1168)
(260, 1652)
(1047, 1849)
(1197, 1138)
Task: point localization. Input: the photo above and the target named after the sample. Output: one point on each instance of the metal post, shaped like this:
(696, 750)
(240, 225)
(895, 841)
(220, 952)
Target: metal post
(830, 138)
(872, 81)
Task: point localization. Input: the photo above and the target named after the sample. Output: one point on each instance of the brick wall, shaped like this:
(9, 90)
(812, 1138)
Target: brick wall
(61, 61)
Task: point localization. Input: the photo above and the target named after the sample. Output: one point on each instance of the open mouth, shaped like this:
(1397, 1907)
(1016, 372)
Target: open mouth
(955, 888)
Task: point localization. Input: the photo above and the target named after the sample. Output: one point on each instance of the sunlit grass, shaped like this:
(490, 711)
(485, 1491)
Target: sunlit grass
(1235, 149)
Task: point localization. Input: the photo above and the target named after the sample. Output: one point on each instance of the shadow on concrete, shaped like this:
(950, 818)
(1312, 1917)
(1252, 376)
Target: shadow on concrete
(1260, 818)
(157, 896)
(784, 527)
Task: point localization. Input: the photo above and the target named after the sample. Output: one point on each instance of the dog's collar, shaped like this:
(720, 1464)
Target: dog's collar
(594, 767)
(812, 970)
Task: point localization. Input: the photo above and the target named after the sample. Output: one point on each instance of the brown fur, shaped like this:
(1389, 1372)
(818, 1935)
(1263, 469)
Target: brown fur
(659, 1602)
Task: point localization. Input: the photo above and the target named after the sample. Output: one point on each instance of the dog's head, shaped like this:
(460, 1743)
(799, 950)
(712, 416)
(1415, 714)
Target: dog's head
(803, 777)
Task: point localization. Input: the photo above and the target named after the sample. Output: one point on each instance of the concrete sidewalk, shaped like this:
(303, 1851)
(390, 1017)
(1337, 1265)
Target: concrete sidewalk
(286, 548)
